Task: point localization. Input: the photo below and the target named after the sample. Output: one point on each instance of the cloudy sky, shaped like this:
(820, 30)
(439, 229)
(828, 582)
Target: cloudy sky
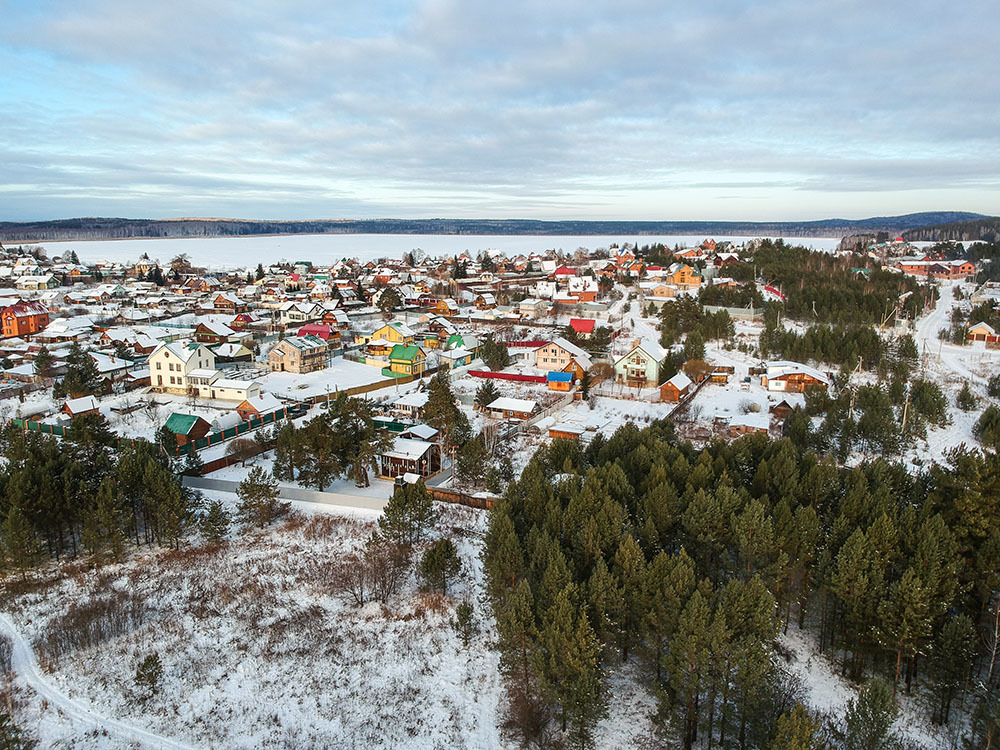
(715, 109)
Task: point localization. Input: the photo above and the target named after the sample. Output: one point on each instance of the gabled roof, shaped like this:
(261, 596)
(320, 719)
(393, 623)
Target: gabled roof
(582, 326)
(405, 353)
(182, 424)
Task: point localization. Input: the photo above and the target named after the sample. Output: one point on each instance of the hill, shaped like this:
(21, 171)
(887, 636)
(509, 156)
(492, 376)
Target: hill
(121, 228)
(980, 228)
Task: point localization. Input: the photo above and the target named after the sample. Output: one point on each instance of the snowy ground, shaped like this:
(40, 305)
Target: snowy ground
(258, 651)
(828, 693)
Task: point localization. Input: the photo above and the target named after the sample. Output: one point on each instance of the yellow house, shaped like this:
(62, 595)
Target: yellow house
(391, 334)
(407, 360)
(683, 275)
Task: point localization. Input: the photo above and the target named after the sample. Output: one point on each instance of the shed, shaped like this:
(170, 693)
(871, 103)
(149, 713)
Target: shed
(187, 428)
(675, 388)
(559, 381)
(77, 407)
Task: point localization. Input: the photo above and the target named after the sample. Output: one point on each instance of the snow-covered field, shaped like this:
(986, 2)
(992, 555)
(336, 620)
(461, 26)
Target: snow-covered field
(233, 252)
(258, 651)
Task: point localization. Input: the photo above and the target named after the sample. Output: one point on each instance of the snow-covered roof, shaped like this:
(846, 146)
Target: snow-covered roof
(506, 403)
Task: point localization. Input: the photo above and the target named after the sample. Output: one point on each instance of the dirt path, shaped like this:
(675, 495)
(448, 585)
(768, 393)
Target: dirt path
(24, 661)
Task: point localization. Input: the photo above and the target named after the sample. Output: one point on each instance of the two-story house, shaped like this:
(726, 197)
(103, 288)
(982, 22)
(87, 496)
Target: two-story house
(171, 364)
(299, 354)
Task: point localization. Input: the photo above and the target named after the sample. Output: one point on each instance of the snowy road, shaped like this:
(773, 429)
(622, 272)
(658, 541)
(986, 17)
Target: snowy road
(25, 663)
(945, 357)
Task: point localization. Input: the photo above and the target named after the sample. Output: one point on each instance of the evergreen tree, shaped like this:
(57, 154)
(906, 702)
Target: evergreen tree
(797, 730)
(465, 622)
(486, 394)
(869, 717)
(630, 572)
(518, 640)
(966, 399)
(20, 545)
(503, 556)
(440, 562)
(215, 522)
(259, 274)
(43, 363)
(258, 493)
(286, 453)
(408, 515)
(684, 665)
(472, 462)
(81, 378)
(148, 675)
(951, 663)
(605, 604)
(494, 354)
(571, 673)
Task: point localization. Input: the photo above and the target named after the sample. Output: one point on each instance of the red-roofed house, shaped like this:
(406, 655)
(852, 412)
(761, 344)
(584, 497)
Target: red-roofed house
(23, 319)
(582, 328)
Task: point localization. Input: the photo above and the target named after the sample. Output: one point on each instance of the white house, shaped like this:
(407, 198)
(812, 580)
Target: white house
(171, 364)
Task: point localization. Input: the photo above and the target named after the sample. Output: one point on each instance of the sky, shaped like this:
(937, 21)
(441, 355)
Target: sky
(544, 109)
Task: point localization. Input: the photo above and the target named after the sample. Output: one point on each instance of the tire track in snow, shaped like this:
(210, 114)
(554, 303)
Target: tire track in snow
(24, 661)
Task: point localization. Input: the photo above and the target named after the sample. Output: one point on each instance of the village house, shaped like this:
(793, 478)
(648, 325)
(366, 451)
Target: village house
(792, 377)
(411, 405)
(506, 407)
(259, 406)
(22, 319)
(983, 332)
(299, 354)
(640, 368)
(407, 456)
(78, 407)
(407, 360)
(171, 363)
(559, 354)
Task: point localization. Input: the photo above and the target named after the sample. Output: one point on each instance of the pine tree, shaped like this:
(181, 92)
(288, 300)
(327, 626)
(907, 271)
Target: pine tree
(518, 639)
(684, 665)
(869, 717)
(215, 522)
(630, 572)
(148, 675)
(797, 730)
(571, 675)
(12, 737)
(465, 622)
(260, 272)
(950, 663)
(966, 399)
(604, 601)
(486, 394)
(20, 545)
(258, 493)
(408, 515)
(110, 517)
(904, 619)
(670, 581)
(440, 562)
(472, 462)
(503, 556)
(286, 453)
(754, 535)
(43, 363)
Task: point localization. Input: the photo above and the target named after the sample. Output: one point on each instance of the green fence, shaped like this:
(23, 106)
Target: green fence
(289, 412)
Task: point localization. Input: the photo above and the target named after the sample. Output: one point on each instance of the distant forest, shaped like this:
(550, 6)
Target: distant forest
(985, 229)
(117, 228)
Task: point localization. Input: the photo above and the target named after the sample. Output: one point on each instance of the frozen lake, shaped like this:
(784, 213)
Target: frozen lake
(325, 249)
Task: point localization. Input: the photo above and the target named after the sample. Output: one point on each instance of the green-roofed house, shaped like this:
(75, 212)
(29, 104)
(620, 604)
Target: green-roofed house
(187, 428)
(463, 341)
(408, 360)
